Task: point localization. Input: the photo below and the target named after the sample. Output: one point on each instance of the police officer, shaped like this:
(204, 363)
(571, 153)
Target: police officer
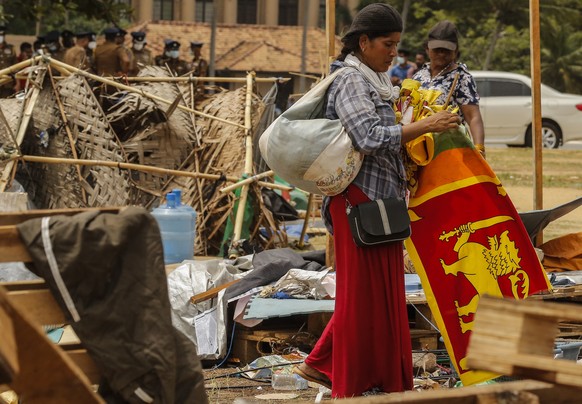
(90, 53)
(7, 52)
(141, 55)
(199, 65)
(110, 58)
(77, 55)
(7, 59)
(171, 58)
(67, 39)
(37, 46)
(53, 45)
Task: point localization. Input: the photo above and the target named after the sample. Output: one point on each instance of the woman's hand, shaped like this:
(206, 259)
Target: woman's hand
(439, 122)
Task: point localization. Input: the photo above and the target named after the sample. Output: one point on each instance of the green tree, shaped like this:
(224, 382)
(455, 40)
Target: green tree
(561, 54)
(44, 15)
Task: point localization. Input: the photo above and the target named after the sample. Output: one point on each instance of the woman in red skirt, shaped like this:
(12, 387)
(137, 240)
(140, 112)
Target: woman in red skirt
(366, 345)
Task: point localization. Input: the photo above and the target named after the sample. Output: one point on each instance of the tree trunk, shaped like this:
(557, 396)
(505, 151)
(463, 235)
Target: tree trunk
(494, 37)
(405, 9)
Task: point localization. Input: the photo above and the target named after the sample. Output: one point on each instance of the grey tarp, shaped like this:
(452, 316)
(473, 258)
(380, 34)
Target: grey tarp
(112, 268)
(270, 265)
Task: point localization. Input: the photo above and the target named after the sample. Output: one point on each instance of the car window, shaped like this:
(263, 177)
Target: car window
(508, 88)
(482, 87)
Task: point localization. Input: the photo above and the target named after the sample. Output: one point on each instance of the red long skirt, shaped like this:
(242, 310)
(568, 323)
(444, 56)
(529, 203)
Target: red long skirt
(366, 344)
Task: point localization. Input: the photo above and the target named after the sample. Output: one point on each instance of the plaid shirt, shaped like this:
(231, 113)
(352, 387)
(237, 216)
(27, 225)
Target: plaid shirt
(370, 123)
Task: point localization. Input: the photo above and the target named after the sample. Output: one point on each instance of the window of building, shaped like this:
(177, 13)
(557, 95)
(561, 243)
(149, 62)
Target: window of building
(246, 12)
(204, 10)
(322, 12)
(163, 10)
(288, 12)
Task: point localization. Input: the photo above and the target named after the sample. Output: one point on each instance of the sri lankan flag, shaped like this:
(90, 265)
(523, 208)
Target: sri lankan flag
(467, 241)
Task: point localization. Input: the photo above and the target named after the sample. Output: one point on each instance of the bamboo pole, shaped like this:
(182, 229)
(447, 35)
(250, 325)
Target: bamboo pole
(247, 181)
(330, 28)
(19, 66)
(453, 86)
(248, 164)
(195, 79)
(536, 129)
(137, 91)
(25, 119)
(137, 167)
(330, 32)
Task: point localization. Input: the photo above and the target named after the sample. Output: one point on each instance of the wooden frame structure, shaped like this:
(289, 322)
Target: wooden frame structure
(37, 369)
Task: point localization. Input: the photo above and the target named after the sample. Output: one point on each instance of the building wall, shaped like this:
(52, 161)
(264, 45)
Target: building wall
(226, 10)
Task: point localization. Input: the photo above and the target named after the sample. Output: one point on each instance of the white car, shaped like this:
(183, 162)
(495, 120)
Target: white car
(506, 107)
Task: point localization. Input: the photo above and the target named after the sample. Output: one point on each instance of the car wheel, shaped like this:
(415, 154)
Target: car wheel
(551, 136)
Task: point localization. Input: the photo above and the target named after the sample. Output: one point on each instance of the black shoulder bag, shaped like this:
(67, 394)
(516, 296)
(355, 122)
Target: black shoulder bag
(377, 222)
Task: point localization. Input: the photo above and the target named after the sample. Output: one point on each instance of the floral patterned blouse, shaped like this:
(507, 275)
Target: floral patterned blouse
(465, 92)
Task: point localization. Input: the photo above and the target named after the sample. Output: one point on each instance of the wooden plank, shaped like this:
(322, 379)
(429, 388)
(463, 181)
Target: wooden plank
(13, 249)
(47, 374)
(84, 362)
(517, 338)
(24, 285)
(211, 293)
(8, 353)
(559, 371)
(560, 311)
(13, 218)
(40, 306)
(546, 392)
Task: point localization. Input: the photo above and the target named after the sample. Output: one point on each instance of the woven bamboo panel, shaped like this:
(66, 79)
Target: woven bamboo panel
(222, 152)
(10, 112)
(148, 141)
(139, 130)
(59, 186)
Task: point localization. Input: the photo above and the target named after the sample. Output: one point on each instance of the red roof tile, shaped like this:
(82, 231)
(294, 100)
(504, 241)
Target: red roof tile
(262, 48)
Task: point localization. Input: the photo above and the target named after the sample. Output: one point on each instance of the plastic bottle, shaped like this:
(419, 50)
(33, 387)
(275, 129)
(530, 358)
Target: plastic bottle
(187, 208)
(283, 381)
(176, 230)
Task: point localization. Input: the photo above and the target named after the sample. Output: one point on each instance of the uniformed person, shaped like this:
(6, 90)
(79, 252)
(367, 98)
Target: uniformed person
(141, 55)
(67, 39)
(53, 45)
(37, 46)
(199, 66)
(120, 40)
(90, 53)
(7, 59)
(110, 58)
(171, 58)
(77, 55)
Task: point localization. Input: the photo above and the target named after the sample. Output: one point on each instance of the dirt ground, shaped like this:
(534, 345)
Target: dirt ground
(562, 182)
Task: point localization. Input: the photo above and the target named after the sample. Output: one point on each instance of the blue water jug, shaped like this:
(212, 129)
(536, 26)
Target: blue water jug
(176, 229)
(187, 208)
